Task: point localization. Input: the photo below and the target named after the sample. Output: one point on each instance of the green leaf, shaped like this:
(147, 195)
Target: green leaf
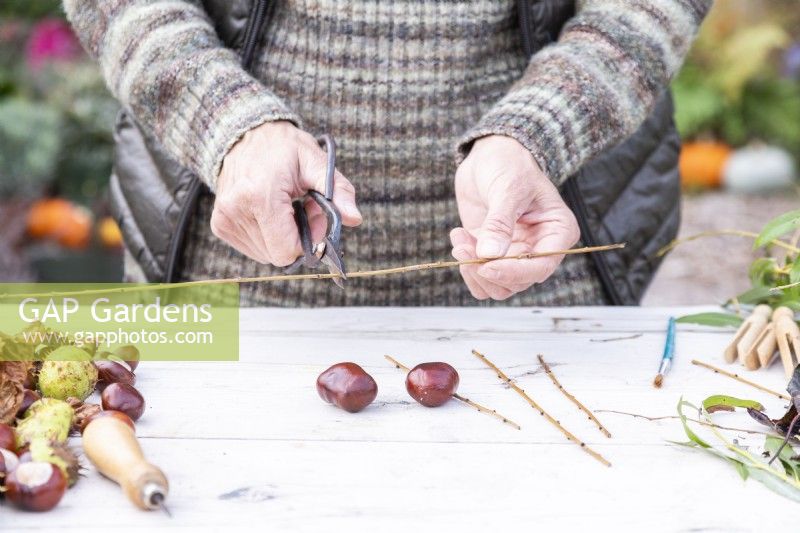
(774, 483)
(761, 271)
(756, 295)
(778, 227)
(791, 465)
(794, 273)
(740, 467)
(721, 402)
(711, 319)
(689, 433)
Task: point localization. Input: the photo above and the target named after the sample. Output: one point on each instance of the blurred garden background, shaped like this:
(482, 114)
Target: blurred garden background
(738, 111)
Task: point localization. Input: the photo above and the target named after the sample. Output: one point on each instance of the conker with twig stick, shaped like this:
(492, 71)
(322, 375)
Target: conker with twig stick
(348, 386)
(432, 384)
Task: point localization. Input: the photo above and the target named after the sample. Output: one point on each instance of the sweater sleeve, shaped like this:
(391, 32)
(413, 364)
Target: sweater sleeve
(596, 84)
(164, 62)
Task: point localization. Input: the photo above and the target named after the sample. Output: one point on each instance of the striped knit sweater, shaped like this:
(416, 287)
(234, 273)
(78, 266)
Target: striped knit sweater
(404, 86)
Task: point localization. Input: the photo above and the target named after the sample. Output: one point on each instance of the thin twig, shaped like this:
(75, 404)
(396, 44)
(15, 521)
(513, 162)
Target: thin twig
(675, 417)
(740, 379)
(295, 277)
(719, 233)
(614, 339)
(462, 399)
(553, 421)
(572, 398)
(787, 286)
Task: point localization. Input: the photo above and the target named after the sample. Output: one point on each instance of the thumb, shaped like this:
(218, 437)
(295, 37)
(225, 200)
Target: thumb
(313, 173)
(494, 236)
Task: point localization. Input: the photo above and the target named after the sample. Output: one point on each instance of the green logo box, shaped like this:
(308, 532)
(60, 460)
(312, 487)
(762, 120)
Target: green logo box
(169, 322)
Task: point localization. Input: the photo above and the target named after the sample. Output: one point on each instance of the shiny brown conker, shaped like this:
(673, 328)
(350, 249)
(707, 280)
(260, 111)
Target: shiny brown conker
(125, 398)
(348, 386)
(432, 384)
(119, 415)
(36, 486)
(8, 438)
(28, 397)
(129, 354)
(109, 371)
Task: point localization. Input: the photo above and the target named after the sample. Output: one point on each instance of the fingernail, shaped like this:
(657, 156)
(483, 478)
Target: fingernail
(350, 210)
(490, 249)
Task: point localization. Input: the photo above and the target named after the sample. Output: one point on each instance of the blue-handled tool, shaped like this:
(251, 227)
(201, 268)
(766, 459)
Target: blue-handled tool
(669, 353)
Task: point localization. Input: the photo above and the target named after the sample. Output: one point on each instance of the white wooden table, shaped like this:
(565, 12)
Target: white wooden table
(250, 446)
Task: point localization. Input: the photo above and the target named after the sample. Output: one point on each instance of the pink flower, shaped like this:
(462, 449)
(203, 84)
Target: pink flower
(51, 40)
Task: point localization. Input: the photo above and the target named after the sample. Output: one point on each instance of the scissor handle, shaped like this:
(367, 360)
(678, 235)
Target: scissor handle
(332, 214)
(329, 144)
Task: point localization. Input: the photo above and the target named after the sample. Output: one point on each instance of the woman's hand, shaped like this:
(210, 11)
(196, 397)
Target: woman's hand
(508, 207)
(269, 167)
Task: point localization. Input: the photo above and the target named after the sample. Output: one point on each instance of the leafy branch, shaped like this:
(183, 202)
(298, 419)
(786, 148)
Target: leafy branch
(785, 482)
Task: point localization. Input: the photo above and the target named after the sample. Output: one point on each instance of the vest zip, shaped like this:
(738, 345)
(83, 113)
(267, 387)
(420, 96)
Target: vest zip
(255, 21)
(575, 200)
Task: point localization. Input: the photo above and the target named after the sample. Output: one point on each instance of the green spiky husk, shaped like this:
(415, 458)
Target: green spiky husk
(48, 419)
(57, 454)
(68, 372)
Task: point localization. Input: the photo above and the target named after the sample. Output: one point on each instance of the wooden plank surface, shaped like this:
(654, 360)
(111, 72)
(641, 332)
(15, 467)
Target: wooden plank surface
(250, 445)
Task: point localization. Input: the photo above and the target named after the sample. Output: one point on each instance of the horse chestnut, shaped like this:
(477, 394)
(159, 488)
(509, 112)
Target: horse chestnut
(28, 398)
(432, 384)
(36, 486)
(125, 398)
(129, 354)
(8, 438)
(115, 414)
(348, 386)
(8, 463)
(110, 371)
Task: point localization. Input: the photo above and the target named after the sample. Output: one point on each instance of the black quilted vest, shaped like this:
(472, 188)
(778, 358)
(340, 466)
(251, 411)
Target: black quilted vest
(627, 194)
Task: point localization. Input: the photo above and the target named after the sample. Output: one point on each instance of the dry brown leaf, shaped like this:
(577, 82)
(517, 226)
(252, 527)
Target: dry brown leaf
(11, 394)
(84, 411)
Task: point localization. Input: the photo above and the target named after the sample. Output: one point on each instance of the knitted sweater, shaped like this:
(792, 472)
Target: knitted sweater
(404, 86)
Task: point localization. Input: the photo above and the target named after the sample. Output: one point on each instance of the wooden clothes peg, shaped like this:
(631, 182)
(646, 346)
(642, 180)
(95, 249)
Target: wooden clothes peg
(787, 334)
(746, 336)
(764, 349)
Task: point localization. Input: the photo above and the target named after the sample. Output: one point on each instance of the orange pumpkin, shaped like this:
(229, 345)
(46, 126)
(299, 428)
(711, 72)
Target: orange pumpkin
(75, 230)
(109, 233)
(45, 216)
(702, 162)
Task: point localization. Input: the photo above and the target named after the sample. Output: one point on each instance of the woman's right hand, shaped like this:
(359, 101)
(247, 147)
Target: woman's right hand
(265, 170)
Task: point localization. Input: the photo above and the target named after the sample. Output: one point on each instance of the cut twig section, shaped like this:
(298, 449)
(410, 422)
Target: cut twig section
(295, 277)
(720, 233)
(675, 417)
(740, 379)
(462, 399)
(545, 414)
(572, 398)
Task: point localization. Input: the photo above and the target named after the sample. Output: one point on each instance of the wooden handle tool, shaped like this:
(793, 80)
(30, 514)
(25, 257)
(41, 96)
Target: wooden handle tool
(112, 447)
(788, 336)
(746, 335)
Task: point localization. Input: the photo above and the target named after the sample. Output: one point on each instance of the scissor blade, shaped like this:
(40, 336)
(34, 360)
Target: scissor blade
(333, 261)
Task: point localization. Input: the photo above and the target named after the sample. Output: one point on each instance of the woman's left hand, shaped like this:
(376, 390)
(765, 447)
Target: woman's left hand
(508, 207)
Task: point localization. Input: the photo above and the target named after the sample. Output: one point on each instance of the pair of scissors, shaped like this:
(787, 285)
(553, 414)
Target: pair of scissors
(328, 252)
